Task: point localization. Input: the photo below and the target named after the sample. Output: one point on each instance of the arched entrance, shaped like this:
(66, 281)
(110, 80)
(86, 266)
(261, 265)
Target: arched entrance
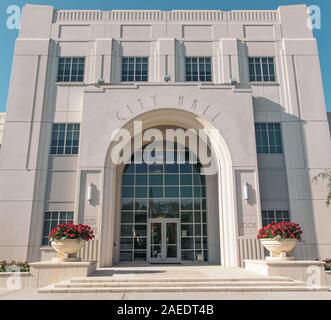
(164, 210)
(221, 232)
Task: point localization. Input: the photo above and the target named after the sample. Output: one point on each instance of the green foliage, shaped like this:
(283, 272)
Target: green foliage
(14, 266)
(326, 175)
(327, 264)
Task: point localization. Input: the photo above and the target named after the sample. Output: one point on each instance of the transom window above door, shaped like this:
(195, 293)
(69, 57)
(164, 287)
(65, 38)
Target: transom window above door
(198, 69)
(134, 69)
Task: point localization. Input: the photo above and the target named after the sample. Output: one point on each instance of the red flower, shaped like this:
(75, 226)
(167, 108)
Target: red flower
(283, 230)
(71, 231)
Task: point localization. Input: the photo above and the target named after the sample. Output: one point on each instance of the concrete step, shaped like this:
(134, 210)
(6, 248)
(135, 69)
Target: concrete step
(142, 284)
(53, 289)
(133, 284)
(166, 280)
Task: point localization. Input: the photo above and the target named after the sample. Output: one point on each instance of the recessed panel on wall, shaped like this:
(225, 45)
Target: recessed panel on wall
(72, 32)
(259, 32)
(261, 48)
(61, 186)
(136, 31)
(247, 203)
(195, 32)
(89, 199)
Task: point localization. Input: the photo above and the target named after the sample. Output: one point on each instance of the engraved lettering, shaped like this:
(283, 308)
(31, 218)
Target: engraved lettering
(141, 104)
(180, 101)
(213, 120)
(154, 100)
(118, 116)
(194, 104)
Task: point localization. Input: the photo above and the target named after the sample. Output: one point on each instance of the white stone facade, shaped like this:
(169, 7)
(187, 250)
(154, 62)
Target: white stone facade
(2, 124)
(32, 181)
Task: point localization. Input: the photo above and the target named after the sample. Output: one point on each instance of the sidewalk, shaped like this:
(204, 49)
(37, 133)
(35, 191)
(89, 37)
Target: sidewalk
(32, 294)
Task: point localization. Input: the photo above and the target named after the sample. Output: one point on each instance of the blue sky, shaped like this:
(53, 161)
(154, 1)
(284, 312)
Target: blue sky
(7, 37)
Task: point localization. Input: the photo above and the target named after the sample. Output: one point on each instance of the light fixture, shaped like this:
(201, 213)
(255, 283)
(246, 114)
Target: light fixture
(246, 190)
(167, 78)
(90, 193)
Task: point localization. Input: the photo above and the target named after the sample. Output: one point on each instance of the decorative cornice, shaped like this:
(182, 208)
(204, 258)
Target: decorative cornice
(192, 16)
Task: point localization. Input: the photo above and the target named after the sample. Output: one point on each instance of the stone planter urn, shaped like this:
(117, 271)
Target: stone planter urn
(67, 249)
(279, 248)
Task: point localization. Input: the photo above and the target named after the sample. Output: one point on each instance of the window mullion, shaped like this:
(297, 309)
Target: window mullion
(269, 74)
(261, 68)
(199, 74)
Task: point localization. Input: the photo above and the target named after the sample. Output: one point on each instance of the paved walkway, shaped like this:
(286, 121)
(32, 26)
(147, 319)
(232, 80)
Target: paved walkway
(173, 271)
(32, 294)
(168, 271)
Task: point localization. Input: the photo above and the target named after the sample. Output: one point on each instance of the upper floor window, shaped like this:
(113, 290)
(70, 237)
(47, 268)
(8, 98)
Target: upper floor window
(71, 69)
(269, 216)
(262, 69)
(65, 138)
(198, 69)
(52, 219)
(268, 138)
(134, 69)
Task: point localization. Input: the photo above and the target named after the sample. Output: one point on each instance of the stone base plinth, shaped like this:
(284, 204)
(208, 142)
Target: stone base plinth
(311, 272)
(48, 272)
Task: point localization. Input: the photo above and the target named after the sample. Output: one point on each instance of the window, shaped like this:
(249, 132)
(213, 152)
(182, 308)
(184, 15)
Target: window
(269, 216)
(268, 138)
(65, 138)
(163, 190)
(261, 69)
(52, 219)
(134, 69)
(198, 69)
(71, 69)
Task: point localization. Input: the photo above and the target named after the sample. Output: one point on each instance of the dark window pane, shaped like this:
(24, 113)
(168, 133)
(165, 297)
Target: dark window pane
(134, 69)
(261, 69)
(63, 135)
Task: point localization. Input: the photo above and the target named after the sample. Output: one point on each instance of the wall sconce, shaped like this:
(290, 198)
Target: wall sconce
(246, 191)
(90, 193)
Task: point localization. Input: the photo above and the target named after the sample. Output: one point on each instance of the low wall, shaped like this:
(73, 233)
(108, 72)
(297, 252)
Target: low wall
(328, 278)
(49, 272)
(14, 280)
(311, 272)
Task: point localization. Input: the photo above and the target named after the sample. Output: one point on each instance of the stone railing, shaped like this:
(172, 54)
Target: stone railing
(249, 249)
(90, 251)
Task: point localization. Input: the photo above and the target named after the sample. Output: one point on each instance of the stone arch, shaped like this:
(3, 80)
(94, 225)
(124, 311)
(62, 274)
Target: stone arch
(224, 180)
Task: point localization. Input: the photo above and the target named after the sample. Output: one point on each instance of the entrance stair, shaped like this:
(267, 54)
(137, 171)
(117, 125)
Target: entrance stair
(202, 279)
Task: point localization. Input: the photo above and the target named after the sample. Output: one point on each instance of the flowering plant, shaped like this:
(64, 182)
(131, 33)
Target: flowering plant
(71, 231)
(281, 230)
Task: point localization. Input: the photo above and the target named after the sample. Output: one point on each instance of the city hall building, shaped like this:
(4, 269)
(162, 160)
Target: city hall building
(78, 77)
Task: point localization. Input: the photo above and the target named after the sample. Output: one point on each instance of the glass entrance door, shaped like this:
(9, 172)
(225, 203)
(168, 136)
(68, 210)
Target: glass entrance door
(163, 240)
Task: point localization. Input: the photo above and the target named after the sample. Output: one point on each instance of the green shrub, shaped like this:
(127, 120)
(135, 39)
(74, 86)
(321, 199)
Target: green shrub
(327, 264)
(14, 266)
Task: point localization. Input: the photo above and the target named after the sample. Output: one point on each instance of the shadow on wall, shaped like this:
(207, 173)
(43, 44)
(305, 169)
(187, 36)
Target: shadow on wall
(299, 182)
